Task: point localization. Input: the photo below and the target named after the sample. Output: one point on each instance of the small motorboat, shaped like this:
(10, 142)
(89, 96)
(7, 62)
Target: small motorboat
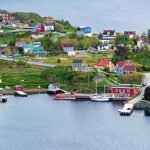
(3, 99)
(20, 93)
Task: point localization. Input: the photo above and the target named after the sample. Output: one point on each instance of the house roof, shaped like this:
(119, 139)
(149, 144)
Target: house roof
(77, 61)
(103, 62)
(126, 65)
(121, 63)
(111, 32)
(40, 48)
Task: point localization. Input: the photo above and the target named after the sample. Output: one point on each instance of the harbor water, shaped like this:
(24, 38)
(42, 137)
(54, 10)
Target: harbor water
(37, 122)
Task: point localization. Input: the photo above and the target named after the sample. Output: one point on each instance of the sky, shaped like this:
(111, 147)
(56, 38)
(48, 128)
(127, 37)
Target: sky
(120, 15)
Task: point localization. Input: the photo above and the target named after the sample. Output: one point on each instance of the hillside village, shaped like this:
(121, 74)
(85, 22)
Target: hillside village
(120, 57)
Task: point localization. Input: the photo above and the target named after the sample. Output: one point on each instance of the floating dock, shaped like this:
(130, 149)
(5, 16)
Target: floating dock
(126, 110)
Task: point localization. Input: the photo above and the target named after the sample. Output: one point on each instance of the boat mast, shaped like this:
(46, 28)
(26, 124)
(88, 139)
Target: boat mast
(96, 86)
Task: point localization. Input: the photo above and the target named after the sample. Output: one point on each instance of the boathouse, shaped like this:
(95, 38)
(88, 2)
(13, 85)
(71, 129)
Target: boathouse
(18, 88)
(118, 91)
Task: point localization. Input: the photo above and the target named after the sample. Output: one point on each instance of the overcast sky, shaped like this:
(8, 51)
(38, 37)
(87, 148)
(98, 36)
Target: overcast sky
(99, 14)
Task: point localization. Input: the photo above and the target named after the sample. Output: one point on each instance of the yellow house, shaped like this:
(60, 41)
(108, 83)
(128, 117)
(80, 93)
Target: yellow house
(106, 63)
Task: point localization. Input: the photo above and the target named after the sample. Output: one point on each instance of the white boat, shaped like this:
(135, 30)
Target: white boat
(20, 93)
(99, 98)
(3, 99)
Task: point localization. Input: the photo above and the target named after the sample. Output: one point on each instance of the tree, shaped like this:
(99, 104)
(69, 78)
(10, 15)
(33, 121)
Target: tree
(6, 51)
(59, 27)
(71, 41)
(147, 93)
(121, 53)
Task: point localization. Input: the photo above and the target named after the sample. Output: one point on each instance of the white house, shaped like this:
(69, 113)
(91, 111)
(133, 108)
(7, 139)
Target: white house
(108, 36)
(53, 88)
(103, 47)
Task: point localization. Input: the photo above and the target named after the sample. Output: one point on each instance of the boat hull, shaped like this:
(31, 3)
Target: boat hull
(99, 99)
(64, 97)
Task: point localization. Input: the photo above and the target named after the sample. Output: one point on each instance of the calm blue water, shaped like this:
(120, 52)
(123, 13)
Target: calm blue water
(39, 123)
(99, 14)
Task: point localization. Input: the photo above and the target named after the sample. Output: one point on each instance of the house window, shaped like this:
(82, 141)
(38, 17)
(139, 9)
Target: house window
(116, 90)
(128, 90)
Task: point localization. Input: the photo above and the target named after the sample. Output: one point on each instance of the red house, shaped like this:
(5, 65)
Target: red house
(124, 91)
(19, 88)
(130, 34)
(123, 67)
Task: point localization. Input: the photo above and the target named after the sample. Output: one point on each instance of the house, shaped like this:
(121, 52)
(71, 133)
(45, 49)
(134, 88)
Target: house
(27, 48)
(85, 31)
(106, 63)
(53, 88)
(22, 25)
(118, 91)
(69, 49)
(37, 51)
(20, 44)
(79, 65)
(123, 67)
(140, 45)
(108, 36)
(44, 28)
(18, 88)
(130, 34)
(5, 16)
(103, 47)
(48, 19)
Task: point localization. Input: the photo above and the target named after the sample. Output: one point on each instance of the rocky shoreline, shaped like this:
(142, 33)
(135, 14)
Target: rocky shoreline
(28, 91)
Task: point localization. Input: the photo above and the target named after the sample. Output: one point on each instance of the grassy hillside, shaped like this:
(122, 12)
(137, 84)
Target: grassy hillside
(30, 18)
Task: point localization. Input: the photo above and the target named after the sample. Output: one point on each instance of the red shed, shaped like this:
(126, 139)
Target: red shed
(19, 88)
(124, 91)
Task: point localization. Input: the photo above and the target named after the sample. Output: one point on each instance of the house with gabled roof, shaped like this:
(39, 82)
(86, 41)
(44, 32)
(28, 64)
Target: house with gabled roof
(106, 63)
(124, 67)
(79, 65)
(108, 35)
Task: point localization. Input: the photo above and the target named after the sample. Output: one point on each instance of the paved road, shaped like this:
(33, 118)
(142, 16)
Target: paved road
(30, 62)
(139, 97)
(17, 30)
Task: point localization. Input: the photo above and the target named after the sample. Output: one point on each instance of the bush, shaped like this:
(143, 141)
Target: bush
(21, 63)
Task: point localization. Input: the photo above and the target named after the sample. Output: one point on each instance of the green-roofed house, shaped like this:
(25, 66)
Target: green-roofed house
(37, 51)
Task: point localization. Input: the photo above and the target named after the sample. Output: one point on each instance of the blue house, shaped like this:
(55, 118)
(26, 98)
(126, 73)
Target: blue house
(85, 29)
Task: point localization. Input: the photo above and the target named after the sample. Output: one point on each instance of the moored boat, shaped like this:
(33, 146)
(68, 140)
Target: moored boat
(20, 93)
(99, 98)
(65, 96)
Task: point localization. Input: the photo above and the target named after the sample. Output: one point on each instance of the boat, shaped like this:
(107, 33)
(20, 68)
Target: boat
(65, 96)
(20, 93)
(3, 99)
(99, 98)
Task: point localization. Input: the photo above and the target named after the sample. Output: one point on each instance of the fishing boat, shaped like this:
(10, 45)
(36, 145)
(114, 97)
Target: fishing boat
(65, 96)
(99, 98)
